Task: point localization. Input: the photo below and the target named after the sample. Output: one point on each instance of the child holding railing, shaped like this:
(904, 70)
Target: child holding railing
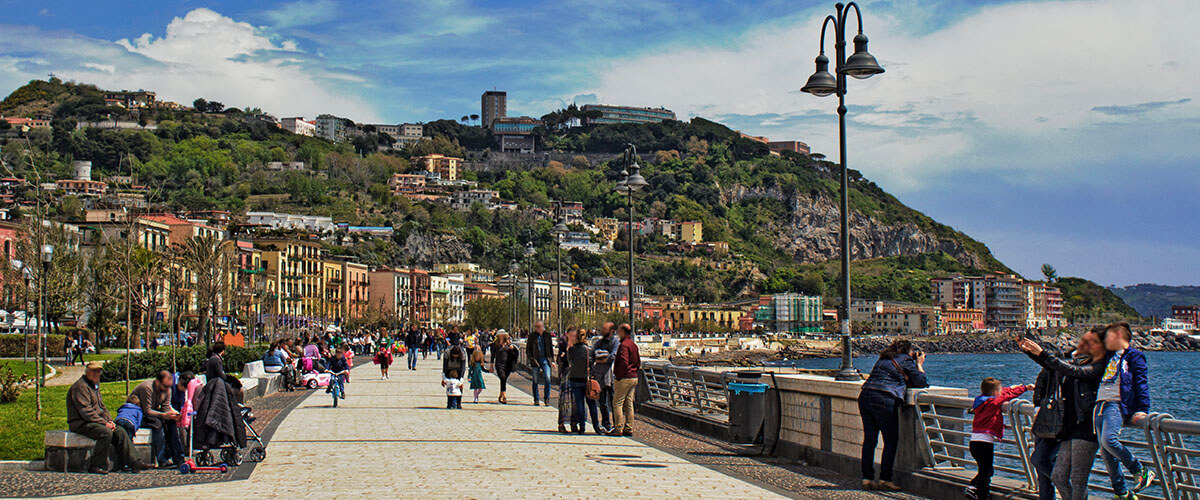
(987, 429)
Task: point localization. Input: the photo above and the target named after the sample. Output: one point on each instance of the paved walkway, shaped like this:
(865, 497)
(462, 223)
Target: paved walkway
(394, 438)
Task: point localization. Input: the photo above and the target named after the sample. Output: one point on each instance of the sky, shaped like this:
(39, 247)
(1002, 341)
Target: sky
(1061, 132)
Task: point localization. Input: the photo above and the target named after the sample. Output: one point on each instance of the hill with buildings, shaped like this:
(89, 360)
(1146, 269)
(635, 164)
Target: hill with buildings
(1157, 300)
(724, 217)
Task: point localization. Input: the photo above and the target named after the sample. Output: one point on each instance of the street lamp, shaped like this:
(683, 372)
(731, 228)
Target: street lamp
(47, 256)
(512, 294)
(529, 253)
(630, 184)
(559, 230)
(859, 65)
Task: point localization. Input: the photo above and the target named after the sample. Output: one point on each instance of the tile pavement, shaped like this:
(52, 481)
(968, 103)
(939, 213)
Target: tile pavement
(394, 438)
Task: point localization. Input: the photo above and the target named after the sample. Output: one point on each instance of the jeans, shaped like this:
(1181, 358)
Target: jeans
(984, 454)
(623, 394)
(1045, 451)
(128, 426)
(439, 348)
(453, 402)
(158, 441)
(340, 385)
(605, 404)
(1108, 421)
(880, 414)
(173, 451)
(1072, 468)
(541, 373)
(579, 392)
(412, 359)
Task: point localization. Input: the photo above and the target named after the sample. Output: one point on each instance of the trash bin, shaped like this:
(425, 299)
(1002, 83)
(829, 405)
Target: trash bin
(747, 410)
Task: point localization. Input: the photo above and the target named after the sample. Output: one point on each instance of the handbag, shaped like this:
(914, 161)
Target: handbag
(593, 389)
(1049, 420)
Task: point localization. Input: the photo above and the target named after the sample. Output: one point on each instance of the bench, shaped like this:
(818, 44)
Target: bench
(67, 451)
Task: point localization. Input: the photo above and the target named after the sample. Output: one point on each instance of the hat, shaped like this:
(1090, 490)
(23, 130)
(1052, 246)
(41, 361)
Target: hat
(95, 365)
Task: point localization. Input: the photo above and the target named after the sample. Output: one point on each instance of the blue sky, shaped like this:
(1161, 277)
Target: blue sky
(1054, 131)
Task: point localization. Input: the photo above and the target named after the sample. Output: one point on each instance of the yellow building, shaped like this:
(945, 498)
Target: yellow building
(723, 316)
(609, 227)
(691, 232)
(294, 267)
(445, 166)
(333, 284)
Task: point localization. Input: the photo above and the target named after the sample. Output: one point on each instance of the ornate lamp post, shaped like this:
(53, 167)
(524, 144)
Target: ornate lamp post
(529, 253)
(860, 64)
(47, 256)
(631, 183)
(559, 230)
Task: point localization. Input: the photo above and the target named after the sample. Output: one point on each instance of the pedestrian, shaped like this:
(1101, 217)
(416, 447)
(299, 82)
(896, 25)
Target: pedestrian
(625, 377)
(476, 374)
(579, 372)
(1080, 379)
(987, 428)
(1122, 399)
(453, 385)
(456, 360)
(899, 368)
(604, 350)
(383, 358)
(504, 361)
(539, 350)
(412, 342)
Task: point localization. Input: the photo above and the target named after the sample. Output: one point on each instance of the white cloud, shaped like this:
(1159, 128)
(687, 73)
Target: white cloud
(202, 54)
(1023, 71)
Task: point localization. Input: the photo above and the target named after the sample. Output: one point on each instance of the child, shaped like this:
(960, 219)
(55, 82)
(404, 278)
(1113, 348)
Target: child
(129, 415)
(337, 363)
(383, 358)
(1123, 398)
(476, 376)
(453, 386)
(987, 428)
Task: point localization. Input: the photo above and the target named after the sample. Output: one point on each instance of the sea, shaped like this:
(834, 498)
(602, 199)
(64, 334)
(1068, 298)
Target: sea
(1174, 376)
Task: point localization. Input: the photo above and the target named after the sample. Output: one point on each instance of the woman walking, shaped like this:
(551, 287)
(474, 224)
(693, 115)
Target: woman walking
(1081, 379)
(383, 358)
(899, 368)
(579, 370)
(504, 361)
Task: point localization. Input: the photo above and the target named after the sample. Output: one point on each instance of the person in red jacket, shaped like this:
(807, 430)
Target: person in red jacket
(987, 428)
(625, 375)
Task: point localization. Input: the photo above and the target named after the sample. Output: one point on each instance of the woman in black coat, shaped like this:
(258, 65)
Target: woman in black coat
(504, 361)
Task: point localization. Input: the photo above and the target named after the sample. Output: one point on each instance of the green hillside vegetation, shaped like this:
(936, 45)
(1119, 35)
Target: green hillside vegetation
(1156, 300)
(217, 160)
(1087, 302)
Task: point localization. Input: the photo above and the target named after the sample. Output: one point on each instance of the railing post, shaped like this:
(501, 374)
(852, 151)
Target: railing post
(1158, 452)
(671, 385)
(695, 391)
(924, 429)
(1018, 427)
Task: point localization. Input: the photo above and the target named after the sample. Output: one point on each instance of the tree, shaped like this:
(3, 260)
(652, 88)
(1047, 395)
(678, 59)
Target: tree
(1049, 272)
(215, 107)
(210, 262)
(200, 104)
(474, 117)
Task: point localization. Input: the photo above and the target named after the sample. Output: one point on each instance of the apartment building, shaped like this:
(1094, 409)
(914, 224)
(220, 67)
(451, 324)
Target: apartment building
(493, 104)
(627, 114)
(1189, 314)
(390, 292)
(789, 312)
(1008, 302)
(299, 126)
(401, 184)
(295, 269)
(447, 167)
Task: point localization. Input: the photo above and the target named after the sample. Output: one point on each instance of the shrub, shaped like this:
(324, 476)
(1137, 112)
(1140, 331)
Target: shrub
(10, 345)
(11, 385)
(146, 364)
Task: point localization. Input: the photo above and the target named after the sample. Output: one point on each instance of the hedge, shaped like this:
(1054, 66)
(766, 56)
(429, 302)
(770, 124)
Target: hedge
(10, 345)
(146, 364)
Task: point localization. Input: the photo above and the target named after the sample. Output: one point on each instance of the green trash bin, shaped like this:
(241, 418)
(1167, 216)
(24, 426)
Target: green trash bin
(747, 411)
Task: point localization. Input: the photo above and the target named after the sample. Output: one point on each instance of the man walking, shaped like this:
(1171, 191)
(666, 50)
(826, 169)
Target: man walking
(539, 349)
(413, 343)
(625, 373)
(87, 415)
(605, 351)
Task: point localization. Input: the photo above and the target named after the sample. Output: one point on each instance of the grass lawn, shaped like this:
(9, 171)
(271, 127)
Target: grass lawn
(23, 438)
(29, 368)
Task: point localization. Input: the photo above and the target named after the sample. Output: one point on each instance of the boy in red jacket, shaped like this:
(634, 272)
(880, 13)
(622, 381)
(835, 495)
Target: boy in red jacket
(987, 428)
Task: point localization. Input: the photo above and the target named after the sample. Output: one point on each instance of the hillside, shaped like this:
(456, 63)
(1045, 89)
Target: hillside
(1087, 302)
(1156, 300)
(778, 214)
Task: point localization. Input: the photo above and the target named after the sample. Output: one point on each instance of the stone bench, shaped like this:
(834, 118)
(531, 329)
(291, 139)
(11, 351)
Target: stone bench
(67, 451)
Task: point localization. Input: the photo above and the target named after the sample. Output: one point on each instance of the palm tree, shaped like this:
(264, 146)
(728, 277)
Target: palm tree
(475, 118)
(1049, 272)
(209, 260)
(463, 119)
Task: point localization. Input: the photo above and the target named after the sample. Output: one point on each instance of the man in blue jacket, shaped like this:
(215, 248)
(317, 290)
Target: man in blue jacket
(1123, 398)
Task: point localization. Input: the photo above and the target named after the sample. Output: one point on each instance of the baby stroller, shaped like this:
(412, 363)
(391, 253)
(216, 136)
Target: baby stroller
(230, 454)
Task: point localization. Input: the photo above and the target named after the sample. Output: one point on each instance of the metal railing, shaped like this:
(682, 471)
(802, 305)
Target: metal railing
(1168, 447)
(688, 386)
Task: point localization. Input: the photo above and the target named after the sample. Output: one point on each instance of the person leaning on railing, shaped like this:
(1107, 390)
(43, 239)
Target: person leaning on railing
(900, 367)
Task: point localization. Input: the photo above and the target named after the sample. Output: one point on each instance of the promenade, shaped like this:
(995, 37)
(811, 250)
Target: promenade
(394, 438)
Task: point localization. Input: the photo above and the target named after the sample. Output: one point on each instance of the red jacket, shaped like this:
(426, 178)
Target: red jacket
(628, 362)
(988, 417)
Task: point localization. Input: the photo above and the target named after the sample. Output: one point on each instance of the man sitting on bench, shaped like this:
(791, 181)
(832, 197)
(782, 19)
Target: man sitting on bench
(87, 415)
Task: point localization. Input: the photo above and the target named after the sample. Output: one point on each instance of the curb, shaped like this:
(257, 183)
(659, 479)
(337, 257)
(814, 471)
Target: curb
(20, 465)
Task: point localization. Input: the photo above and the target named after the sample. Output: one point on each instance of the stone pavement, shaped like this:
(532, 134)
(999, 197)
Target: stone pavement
(394, 438)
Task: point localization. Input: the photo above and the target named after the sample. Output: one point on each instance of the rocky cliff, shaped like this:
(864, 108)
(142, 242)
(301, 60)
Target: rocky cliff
(810, 233)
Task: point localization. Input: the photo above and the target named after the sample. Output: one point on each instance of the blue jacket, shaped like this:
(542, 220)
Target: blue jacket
(272, 358)
(1135, 383)
(885, 378)
(131, 413)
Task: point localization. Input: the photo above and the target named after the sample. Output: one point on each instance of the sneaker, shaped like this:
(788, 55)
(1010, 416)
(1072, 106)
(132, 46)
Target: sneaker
(1144, 479)
(971, 493)
(868, 484)
(1126, 496)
